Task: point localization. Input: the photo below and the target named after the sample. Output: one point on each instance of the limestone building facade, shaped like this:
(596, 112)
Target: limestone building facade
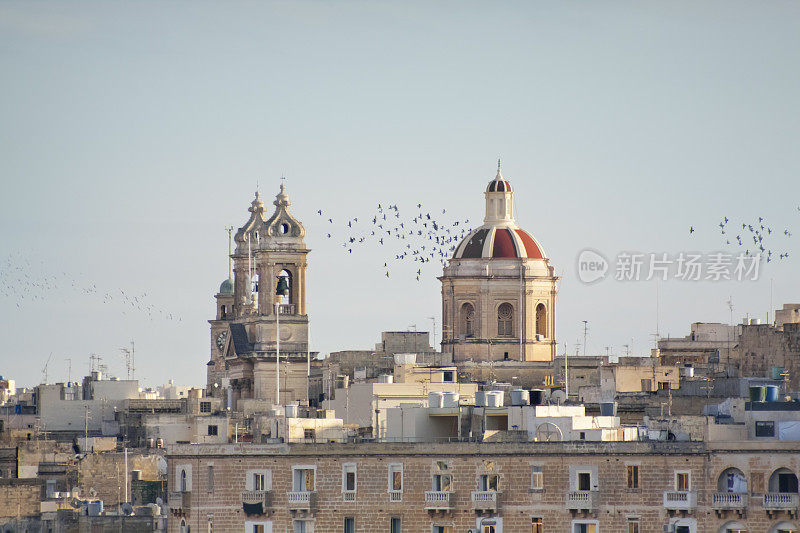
(499, 289)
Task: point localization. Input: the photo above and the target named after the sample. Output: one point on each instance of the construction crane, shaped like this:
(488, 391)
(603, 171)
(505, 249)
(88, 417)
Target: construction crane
(44, 370)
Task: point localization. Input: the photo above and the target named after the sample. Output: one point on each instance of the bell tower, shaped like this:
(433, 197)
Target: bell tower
(266, 348)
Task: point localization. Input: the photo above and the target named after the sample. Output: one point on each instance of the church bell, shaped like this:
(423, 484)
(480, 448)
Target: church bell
(283, 286)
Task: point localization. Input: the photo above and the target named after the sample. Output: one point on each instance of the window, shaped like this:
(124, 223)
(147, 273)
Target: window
(488, 482)
(348, 477)
(442, 482)
(489, 528)
(303, 526)
(303, 479)
(633, 525)
(682, 481)
(395, 525)
(505, 320)
(585, 527)
(537, 480)
(258, 528)
(765, 428)
(584, 481)
(396, 479)
(633, 476)
(467, 319)
(309, 434)
(349, 525)
(663, 385)
(184, 484)
(205, 407)
(448, 376)
(258, 481)
(536, 525)
(683, 529)
(646, 385)
(213, 430)
(210, 478)
(541, 320)
(442, 529)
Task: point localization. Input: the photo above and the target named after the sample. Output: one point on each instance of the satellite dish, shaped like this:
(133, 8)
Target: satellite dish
(548, 432)
(558, 397)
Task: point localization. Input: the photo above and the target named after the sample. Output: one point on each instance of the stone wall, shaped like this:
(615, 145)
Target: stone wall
(19, 497)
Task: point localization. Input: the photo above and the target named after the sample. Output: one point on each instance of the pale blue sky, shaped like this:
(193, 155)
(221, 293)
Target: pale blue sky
(133, 133)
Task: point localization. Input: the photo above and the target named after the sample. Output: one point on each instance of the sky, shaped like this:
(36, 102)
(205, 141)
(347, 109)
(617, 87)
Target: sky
(134, 133)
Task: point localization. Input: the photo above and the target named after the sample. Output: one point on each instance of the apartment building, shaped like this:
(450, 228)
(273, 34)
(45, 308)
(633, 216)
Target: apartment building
(579, 487)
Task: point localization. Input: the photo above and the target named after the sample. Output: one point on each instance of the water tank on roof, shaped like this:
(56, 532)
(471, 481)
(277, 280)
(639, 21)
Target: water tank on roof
(536, 396)
(450, 399)
(519, 397)
(494, 398)
(687, 371)
(386, 378)
(771, 393)
(757, 393)
(480, 398)
(292, 410)
(435, 399)
(94, 508)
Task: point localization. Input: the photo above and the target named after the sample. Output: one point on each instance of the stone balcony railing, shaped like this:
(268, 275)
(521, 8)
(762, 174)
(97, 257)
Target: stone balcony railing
(395, 495)
(581, 500)
(256, 501)
(781, 501)
(301, 500)
(484, 500)
(286, 309)
(438, 500)
(349, 496)
(723, 501)
(179, 500)
(680, 500)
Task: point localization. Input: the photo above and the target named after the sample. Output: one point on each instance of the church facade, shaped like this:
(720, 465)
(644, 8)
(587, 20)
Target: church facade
(499, 289)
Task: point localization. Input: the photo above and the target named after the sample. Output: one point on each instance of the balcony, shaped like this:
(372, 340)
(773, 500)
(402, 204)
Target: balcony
(582, 500)
(255, 502)
(484, 500)
(781, 501)
(349, 496)
(301, 500)
(680, 500)
(179, 501)
(438, 500)
(395, 495)
(286, 309)
(729, 501)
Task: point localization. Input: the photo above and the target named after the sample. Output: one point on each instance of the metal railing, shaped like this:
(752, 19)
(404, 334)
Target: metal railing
(349, 496)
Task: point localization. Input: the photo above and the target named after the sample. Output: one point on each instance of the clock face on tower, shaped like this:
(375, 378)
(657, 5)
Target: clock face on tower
(221, 337)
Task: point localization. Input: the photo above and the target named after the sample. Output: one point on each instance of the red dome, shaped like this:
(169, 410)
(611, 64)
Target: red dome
(499, 243)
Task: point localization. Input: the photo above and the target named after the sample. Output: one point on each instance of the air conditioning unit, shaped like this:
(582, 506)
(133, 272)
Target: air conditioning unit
(539, 337)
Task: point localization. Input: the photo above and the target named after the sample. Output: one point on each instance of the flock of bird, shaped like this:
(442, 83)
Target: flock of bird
(421, 236)
(24, 282)
(764, 238)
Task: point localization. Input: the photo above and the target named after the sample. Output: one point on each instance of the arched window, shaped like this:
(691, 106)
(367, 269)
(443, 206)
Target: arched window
(541, 320)
(732, 480)
(783, 480)
(505, 320)
(288, 298)
(183, 481)
(467, 320)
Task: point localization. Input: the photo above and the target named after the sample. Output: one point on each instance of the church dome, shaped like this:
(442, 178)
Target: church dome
(496, 242)
(499, 237)
(226, 287)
